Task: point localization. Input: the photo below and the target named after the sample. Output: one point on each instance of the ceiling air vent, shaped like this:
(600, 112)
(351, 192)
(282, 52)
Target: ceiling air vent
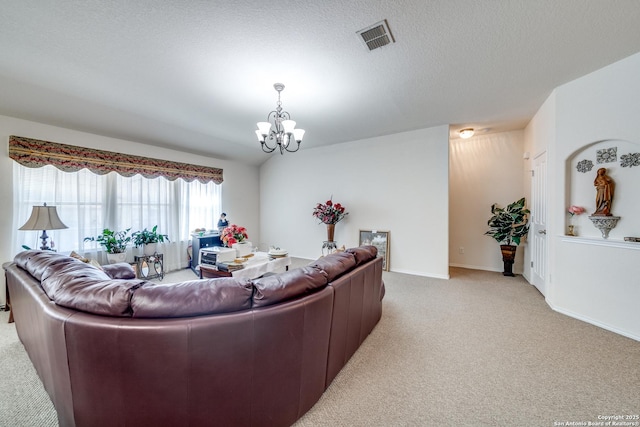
(376, 35)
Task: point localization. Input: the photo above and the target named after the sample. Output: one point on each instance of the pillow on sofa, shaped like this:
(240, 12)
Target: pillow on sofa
(335, 264)
(192, 298)
(363, 253)
(119, 270)
(91, 262)
(270, 290)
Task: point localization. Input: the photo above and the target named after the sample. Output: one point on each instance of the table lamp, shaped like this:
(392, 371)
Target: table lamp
(43, 218)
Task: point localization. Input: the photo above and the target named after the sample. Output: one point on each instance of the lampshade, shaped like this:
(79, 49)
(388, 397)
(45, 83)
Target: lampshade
(264, 128)
(288, 126)
(298, 134)
(43, 218)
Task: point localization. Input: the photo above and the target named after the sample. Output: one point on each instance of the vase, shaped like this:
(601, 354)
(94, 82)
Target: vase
(149, 249)
(330, 231)
(571, 231)
(242, 248)
(508, 258)
(115, 258)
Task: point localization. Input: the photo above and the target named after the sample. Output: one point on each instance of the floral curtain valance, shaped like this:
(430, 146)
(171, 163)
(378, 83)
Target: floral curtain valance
(35, 153)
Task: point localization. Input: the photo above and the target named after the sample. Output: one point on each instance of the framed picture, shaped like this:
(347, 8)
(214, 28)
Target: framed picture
(379, 239)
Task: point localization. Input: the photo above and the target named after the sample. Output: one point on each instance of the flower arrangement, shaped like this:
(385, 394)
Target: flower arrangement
(576, 210)
(329, 212)
(233, 234)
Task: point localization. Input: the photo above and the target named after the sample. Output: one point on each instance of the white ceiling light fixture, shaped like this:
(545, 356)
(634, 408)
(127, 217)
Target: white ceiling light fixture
(283, 131)
(466, 133)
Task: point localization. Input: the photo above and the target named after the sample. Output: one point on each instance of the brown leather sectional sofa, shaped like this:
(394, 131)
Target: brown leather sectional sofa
(112, 350)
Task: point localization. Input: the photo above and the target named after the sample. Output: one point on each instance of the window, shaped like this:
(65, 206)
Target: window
(87, 203)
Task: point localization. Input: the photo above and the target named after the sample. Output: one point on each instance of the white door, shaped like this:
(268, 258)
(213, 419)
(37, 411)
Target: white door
(538, 226)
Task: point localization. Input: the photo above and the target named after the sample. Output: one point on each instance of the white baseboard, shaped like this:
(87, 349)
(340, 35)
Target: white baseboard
(423, 274)
(476, 267)
(593, 322)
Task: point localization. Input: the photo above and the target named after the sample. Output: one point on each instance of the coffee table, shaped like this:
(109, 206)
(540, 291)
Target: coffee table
(258, 265)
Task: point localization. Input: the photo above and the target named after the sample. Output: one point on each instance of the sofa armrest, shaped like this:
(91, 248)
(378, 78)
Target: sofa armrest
(120, 270)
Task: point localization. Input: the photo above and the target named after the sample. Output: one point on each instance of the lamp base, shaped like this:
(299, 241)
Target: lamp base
(44, 238)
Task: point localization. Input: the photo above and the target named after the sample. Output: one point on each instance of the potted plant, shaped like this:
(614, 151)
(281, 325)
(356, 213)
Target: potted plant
(149, 240)
(114, 243)
(508, 226)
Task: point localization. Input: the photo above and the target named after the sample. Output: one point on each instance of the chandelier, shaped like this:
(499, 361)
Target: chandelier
(283, 132)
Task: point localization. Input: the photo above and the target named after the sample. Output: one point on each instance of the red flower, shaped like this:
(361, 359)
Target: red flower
(233, 234)
(329, 213)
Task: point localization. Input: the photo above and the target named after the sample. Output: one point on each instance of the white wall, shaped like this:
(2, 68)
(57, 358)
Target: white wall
(396, 183)
(593, 279)
(484, 170)
(240, 190)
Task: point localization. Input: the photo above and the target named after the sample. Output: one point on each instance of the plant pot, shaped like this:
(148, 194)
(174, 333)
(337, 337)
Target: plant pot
(150, 249)
(119, 257)
(508, 257)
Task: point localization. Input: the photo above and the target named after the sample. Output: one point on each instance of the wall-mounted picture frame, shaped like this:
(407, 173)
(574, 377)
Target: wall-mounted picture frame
(379, 239)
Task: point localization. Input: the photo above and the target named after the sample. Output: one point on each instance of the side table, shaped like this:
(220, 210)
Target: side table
(330, 247)
(7, 306)
(149, 266)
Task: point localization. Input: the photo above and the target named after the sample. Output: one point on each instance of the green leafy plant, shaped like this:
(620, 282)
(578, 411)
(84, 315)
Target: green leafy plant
(145, 237)
(509, 224)
(114, 242)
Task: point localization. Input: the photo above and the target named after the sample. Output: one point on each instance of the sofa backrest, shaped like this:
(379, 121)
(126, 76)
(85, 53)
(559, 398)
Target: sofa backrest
(273, 289)
(192, 298)
(74, 284)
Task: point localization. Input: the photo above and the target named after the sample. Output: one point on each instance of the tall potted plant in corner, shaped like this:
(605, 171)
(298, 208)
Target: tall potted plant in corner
(114, 243)
(508, 226)
(149, 240)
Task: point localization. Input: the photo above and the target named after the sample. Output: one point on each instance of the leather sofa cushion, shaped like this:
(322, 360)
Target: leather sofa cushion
(363, 253)
(271, 290)
(192, 298)
(42, 264)
(57, 275)
(335, 264)
(104, 297)
(53, 269)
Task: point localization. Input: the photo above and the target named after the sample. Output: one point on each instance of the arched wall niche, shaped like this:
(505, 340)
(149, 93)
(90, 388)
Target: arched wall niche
(621, 158)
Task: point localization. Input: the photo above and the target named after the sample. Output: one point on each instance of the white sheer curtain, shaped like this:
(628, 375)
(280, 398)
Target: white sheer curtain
(87, 203)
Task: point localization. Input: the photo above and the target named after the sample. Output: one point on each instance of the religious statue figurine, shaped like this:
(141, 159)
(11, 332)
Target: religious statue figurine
(604, 193)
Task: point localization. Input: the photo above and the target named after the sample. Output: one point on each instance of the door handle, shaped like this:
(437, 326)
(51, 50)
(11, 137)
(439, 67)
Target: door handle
(542, 231)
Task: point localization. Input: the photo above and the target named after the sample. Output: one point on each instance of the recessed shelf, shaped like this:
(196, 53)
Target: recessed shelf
(612, 243)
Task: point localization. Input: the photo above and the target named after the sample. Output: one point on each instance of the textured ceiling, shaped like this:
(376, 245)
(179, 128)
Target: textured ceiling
(197, 75)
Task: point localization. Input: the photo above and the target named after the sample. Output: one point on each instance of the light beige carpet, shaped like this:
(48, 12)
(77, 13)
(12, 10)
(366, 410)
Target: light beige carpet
(477, 350)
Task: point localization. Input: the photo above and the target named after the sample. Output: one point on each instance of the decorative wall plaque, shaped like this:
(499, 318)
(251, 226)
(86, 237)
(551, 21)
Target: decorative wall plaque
(584, 166)
(607, 155)
(630, 160)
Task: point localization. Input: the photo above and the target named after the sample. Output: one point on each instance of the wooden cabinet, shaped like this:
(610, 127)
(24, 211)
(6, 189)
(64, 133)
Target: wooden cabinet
(198, 242)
